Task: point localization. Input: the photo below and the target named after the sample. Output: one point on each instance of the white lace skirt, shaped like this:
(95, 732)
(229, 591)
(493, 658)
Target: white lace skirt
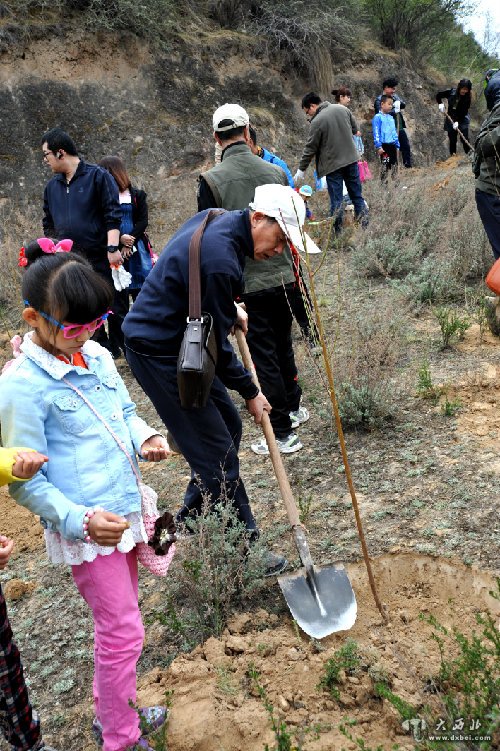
(74, 552)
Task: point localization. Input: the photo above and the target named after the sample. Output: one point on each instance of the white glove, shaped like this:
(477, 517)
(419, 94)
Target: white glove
(299, 175)
(397, 106)
(455, 126)
(121, 278)
(441, 107)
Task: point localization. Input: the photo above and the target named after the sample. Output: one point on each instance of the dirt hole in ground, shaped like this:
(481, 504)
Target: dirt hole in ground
(215, 706)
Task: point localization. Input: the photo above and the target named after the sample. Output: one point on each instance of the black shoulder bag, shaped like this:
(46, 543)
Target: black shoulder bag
(198, 353)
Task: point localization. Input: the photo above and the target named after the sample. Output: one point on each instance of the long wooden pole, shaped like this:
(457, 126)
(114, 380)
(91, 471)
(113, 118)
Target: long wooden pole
(340, 433)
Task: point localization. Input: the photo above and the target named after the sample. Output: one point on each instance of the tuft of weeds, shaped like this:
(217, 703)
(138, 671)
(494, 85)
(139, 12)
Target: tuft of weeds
(405, 710)
(450, 408)
(362, 406)
(219, 567)
(347, 660)
(425, 388)
(281, 732)
(359, 742)
(451, 324)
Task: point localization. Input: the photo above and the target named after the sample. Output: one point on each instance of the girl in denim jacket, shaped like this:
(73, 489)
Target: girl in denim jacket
(87, 495)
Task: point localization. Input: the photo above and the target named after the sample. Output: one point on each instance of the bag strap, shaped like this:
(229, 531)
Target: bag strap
(120, 443)
(194, 266)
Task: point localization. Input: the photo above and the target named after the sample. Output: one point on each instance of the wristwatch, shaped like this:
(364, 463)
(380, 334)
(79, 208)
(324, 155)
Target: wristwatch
(113, 248)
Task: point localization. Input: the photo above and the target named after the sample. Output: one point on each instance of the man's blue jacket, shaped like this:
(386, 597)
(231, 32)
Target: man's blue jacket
(156, 322)
(268, 156)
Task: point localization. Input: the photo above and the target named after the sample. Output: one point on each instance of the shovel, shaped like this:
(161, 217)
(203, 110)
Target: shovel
(320, 598)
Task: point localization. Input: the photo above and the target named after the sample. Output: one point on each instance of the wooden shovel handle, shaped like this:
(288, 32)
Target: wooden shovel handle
(274, 452)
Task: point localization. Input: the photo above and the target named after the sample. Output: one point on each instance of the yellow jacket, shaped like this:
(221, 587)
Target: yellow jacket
(7, 457)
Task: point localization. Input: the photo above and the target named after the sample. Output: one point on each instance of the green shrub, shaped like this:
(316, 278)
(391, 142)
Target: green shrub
(451, 324)
(219, 568)
(388, 257)
(425, 388)
(362, 406)
(345, 659)
(468, 684)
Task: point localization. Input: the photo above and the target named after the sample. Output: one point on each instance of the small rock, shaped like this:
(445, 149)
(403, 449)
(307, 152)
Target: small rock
(15, 589)
(283, 704)
(293, 654)
(235, 645)
(239, 623)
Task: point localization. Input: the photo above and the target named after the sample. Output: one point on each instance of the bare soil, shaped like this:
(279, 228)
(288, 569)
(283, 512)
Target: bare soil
(427, 489)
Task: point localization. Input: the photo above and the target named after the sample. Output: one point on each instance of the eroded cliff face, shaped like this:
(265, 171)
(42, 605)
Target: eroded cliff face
(114, 96)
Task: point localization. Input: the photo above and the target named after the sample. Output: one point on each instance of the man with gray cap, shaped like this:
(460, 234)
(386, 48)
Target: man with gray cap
(209, 437)
(231, 185)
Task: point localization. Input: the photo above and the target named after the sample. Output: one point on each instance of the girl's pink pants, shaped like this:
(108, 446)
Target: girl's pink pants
(109, 586)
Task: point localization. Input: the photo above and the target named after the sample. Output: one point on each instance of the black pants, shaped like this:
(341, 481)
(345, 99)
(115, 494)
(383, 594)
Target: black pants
(209, 438)
(121, 305)
(404, 145)
(389, 165)
(112, 340)
(488, 207)
(453, 137)
(270, 342)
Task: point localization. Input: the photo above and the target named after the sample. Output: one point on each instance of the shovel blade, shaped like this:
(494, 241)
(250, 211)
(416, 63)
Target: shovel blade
(329, 605)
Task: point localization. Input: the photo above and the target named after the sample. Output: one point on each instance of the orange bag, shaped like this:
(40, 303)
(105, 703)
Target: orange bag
(493, 278)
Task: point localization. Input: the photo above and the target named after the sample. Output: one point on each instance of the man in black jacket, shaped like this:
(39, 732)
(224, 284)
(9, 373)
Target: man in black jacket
(81, 203)
(208, 437)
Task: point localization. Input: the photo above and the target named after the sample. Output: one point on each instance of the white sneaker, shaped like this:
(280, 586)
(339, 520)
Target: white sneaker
(287, 445)
(299, 416)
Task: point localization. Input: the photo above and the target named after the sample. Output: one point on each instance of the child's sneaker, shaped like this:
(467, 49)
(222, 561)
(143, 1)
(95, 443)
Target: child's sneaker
(287, 445)
(151, 718)
(299, 416)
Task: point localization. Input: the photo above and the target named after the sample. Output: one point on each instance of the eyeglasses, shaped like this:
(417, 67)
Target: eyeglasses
(46, 155)
(74, 330)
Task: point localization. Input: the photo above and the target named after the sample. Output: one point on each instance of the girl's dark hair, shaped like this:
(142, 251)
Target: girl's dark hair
(115, 166)
(32, 252)
(341, 91)
(67, 288)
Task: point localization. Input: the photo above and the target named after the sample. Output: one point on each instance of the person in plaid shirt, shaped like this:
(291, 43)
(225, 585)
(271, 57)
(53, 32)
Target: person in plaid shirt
(18, 721)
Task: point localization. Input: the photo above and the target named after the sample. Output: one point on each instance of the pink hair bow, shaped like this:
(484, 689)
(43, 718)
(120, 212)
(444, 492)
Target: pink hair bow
(47, 245)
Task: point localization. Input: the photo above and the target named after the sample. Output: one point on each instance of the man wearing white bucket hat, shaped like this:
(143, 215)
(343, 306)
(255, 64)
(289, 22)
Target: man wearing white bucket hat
(209, 437)
(270, 323)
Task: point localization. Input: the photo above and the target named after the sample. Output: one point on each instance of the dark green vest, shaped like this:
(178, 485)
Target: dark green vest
(233, 182)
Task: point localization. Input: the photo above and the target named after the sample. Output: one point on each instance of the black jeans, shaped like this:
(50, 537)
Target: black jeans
(392, 164)
(453, 136)
(209, 438)
(270, 342)
(404, 145)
